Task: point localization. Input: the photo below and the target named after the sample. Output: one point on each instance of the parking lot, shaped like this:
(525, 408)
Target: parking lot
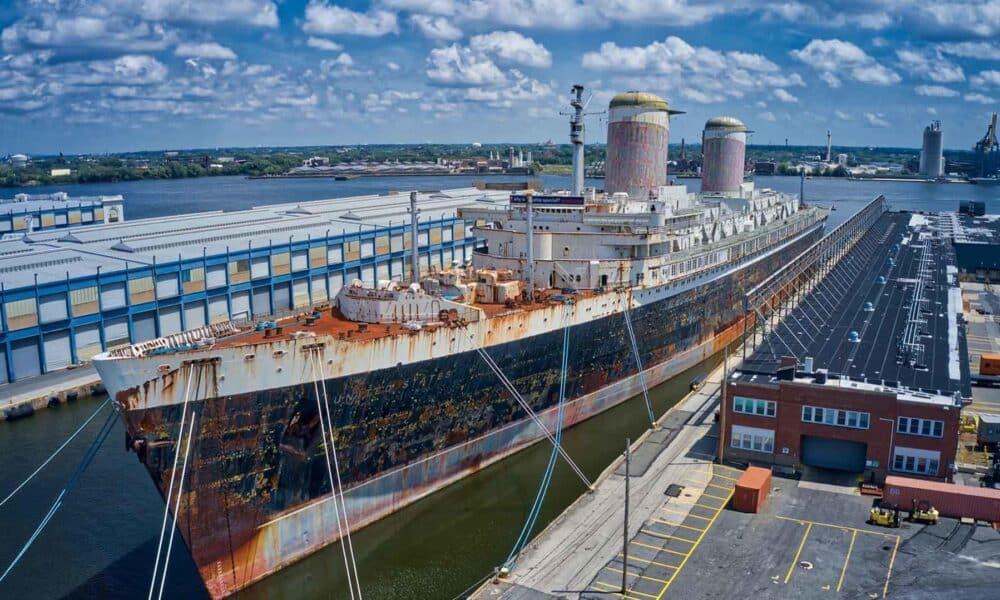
(808, 542)
(664, 544)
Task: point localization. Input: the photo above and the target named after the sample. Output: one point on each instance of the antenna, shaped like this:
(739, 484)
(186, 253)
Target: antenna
(577, 132)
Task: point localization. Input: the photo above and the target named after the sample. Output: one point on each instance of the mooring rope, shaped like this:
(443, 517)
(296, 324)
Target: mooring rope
(532, 414)
(525, 536)
(329, 470)
(638, 363)
(177, 506)
(56, 453)
(340, 488)
(88, 457)
(170, 488)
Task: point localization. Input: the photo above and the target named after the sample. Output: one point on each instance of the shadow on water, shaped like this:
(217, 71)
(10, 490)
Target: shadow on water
(442, 544)
(129, 576)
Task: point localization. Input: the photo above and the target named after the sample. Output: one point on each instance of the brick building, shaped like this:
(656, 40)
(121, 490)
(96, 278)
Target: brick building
(810, 419)
(869, 371)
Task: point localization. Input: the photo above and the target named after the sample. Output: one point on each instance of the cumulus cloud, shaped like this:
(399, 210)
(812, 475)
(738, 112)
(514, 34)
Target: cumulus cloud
(876, 120)
(458, 65)
(935, 91)
(328, 19)
(930, 66)
(513, 48)
(978, 50)
(843, 116)
(980, 98)
(700, 74)
(767, 116)
(436, 28)
(204, 50)
(835, 58)
(324, 44)
(986, 79)
(784, 96)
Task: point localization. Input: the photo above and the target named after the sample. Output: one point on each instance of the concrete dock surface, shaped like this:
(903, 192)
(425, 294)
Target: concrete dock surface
(580, 554)
(38, 392)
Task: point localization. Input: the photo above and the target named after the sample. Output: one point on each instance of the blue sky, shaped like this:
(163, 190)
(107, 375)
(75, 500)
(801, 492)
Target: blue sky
(114, 75)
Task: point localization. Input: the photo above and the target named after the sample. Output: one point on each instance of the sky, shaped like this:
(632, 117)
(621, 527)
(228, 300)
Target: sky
(90, 76)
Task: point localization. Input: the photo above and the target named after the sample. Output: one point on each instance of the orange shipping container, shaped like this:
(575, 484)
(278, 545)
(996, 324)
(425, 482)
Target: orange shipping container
(989, 364)
(751, 490)
(951, 500)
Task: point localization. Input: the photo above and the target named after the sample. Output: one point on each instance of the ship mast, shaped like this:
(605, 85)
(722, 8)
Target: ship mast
(576, 132)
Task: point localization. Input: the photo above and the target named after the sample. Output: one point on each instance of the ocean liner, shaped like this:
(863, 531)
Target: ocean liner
(392, 374)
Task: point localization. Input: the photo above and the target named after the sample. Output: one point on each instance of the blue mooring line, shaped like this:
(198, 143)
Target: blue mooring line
(525, 536)
(88, 457)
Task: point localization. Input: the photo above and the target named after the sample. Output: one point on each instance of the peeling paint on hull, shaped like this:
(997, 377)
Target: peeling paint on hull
(258, 497)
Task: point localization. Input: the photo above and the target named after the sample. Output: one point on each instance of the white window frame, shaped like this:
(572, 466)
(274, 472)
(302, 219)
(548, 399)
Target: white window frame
(915, 460)
(823, 415)
(754, 439)
(768, 408)
(917, 426)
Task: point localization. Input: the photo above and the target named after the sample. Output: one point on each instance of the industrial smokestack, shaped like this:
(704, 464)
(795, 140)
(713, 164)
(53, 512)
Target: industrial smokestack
(638, 134)
(829, 145)
(724, 146)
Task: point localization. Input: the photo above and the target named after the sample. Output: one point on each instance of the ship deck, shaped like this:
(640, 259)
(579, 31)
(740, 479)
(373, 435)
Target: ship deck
(332, 322)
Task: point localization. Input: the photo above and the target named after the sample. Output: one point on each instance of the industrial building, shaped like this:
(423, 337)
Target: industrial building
(976, 238)
(932, 152)
(28, 213)
(66, 296)
(988, 152)
(869, 371)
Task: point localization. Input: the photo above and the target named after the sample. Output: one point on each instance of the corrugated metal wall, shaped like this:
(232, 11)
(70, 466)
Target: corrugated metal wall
(170, 320)
(57, 351)
(241, 305)
(194, 315)
(144, 327)
(25, 358)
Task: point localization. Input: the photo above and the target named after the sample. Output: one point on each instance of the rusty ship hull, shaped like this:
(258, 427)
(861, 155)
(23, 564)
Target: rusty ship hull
(257, 495)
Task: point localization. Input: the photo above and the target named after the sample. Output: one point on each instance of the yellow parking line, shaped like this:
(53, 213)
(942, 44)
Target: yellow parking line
(711, 508)
(691, 551)
(665, 536)
(840, 582)
(892, 561)
(650, 562)
(730, 469)
(687, 514)
(677, 524)
(721, 487)
(798, 553)
(831, 525)
(658, 548)
(729, 478)
(618, 587)
(707, 495)
(638, 575)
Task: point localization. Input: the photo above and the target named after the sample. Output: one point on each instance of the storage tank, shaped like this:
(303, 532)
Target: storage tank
(638, 133)
(931, 153)
(724, 148)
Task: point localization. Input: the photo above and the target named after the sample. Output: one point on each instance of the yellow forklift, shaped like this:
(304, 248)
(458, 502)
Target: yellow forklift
(923, 512)
(886, 515)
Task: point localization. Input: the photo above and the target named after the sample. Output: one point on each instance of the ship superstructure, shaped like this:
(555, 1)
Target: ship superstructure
(396, 368)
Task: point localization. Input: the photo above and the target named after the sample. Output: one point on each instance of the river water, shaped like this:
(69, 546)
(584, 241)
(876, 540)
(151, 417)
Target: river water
(102, 543)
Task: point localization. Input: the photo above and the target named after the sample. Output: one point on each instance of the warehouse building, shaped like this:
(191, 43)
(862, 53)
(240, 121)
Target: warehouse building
(68, 295)
(42, 212)
(976, 237)
(868, 373)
